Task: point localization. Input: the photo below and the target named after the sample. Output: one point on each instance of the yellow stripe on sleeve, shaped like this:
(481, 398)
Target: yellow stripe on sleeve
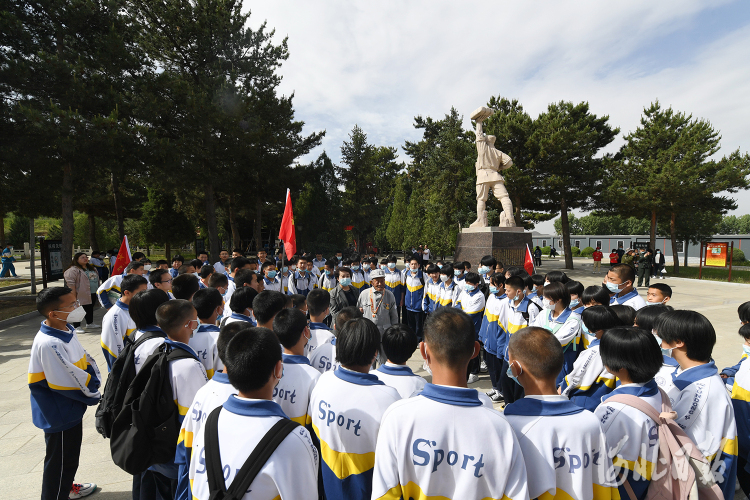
(107, 349)
(642, 467)
(414, 288)
(606, 492)
(343, 464)
(210, 374)
(36, 377)
(740, 393)
(181, 409)
(412, 491)
(300, 420)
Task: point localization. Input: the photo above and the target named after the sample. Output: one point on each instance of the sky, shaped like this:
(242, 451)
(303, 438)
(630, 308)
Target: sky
(379, 64)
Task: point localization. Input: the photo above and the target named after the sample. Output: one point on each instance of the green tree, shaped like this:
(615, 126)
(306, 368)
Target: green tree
(359, 180)
(731, 224)
(317, 211)
(161, 224)
(569, 138)
(395, 232)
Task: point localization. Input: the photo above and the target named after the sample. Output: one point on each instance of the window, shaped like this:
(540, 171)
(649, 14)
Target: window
(578, 243)
(544, 243)
(620, 244)
(680, 247)
(598, 243)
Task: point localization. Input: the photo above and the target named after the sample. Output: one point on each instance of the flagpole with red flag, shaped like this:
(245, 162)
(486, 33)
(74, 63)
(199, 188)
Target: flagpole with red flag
(287, 232)
(528, 261)
(123, 258)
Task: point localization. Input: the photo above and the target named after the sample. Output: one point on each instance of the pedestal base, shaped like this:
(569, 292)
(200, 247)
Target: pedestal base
(506, 244)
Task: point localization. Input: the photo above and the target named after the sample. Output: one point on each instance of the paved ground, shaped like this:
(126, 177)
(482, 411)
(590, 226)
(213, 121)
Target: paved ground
(22, 444)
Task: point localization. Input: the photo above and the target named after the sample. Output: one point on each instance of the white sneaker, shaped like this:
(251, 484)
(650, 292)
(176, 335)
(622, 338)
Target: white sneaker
(483, 367)
(491, 393)
(93, 325)
(80, 490)
(473, 378)
(80, 330)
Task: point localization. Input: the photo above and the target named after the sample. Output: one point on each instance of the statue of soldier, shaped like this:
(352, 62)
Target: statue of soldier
(490, 162)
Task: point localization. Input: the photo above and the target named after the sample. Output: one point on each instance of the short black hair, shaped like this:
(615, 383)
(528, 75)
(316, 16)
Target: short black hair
(196, 263)
(624, 271)
(488, 260)
(744, 312)
(515, 282)
(266, 264)
(537, 279)
(227, 333)
(467, 264)
(184, 286)
(178, 258)
(646, 317)
(556, 291)
(242, 298)
(131, 282)
(49, 299)
(184, 269)
(238, 263)
(245, 277)
(288, 326)
(538, 351)
(447, 269)
(399, 343)
(346, 314)
(601, 318)
(205, 301)
(298, 300)
(251, 357)
(155, 276)
(318, 301)
(745, 331)
(574, 287)
(459, 265)
(449, 333)
(161, 262)
(414, 256)
(218, 279)
(690, 327)
(268, 304)
(497, 279)
(556, 277)
(472, 278)
(138, 255)
(173, 314)
(203, 252)
(357, 343)
(595, 295)
(392, 258)
(517, 271)
(633, 349)
(625, 313)
(432, 268)
(144, 304)
(665, 289)
(136, 264)
(206, 271)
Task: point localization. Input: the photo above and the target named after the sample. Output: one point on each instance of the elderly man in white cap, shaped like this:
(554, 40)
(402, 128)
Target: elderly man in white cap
(378, 305)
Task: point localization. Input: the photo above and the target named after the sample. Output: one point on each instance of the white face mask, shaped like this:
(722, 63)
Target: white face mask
(76, 315)
(147, 267)
(549, 305)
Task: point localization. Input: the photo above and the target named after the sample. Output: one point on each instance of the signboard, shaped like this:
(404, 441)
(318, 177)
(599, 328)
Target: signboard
(716, 254)
(52, 255)
(640, 245)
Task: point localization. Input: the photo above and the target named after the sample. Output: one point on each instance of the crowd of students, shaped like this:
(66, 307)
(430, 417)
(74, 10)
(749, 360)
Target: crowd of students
(269, 344)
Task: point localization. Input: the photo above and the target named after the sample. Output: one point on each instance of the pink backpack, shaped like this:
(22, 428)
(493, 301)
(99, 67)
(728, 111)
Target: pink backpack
(681, 471)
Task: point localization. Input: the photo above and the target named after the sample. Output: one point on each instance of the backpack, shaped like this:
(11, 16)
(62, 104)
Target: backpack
(681, 472)
(118, 381)
(263, 450)
(525, 313)
(145, 431)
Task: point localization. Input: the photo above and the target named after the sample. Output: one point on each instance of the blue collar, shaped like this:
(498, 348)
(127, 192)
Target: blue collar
(594, 343)
(669, 360)
(268, 282)
(298, 275)
(121, 305)
(221, 378)
(294, 359)
(418, 275)
(242, 317)
(182, 346)
(452, 285)
(621, 300)
(474, 292)
(58, 334)
(563, 316)
(694, 374)
(579, 310)
(396, 370)
(539, 408)
(201, 285)
(153, 328)
(208, 328)
(254, 408)
(456, 396)
(649, 389)
(523, 306)
(356, 377)
(319, 326)
(503, 296)
(230, 278)
(531, 295)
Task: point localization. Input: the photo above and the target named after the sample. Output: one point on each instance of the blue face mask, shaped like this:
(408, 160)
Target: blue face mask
(746, 349)
(346, 281)
(272, 274)
(509, 373)
(456, 272)
(483, 269)
(574, 303)
(338, 257)
(355, 268)
(613, 288)
(468, 287)
(493, 290)
(440, 266)
(328, 273)
(391, 265)
(284, 269)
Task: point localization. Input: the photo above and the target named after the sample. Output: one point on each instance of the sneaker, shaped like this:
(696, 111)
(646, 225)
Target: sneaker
(497, 397)
(483, 367)
(80, 330)
(473, 378)
(491, 393)
(80, 490)
(93, 325)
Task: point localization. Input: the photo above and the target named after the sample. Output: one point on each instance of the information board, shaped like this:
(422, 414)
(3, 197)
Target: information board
(716, 254)
(52, 254)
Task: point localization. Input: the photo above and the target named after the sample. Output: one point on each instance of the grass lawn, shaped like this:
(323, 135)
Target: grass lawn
(16, 307)
(710, 273)
(6, 282)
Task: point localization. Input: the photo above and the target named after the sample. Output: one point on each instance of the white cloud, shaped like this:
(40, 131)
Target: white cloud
(379, 64)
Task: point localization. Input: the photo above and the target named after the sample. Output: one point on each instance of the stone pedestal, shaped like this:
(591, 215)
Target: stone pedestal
(506, 244)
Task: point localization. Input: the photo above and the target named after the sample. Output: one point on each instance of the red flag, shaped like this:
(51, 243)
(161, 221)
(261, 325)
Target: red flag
(528, 261)
(287, 234)
(123, 258)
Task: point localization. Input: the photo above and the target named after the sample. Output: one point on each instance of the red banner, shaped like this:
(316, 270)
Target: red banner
(287, 234)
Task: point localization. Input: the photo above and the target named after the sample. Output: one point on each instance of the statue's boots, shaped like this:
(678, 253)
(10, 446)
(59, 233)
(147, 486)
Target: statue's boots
(481, 220)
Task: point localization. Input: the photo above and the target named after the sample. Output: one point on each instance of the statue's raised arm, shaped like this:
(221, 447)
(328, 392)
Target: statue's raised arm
(490, 162)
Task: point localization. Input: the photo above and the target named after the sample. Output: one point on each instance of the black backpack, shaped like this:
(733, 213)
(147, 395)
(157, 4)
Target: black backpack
(525, 313)
(118, 381)
(263, 450)
(145, 431)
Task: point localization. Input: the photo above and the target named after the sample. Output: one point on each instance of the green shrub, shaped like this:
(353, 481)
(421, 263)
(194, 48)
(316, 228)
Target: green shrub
(738, 256)
(575, 251)
(587, 252)
(545, 251)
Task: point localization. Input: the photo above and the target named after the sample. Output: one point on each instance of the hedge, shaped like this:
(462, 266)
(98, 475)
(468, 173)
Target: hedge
(587, 252)
(575, 251)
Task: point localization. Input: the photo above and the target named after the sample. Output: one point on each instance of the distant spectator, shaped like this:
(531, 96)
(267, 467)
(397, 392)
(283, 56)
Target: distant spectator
(552, 252)
(537, 256)
(83, 279)
(597, 256)
(658, 264)
(7, 260)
